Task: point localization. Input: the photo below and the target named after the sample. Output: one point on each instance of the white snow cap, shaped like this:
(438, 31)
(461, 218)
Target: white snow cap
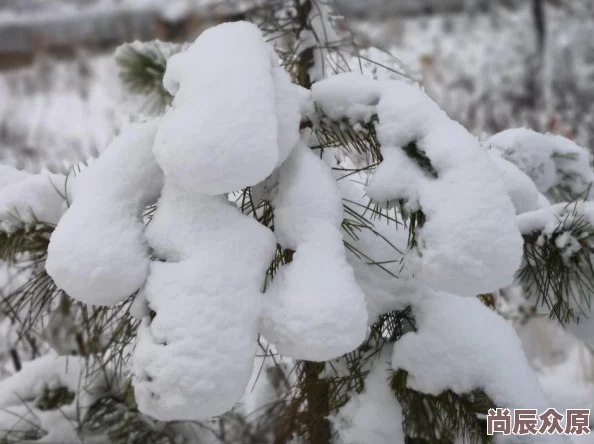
(469, 243)
(98, 254)
(313, 308)
(549, 160)
(463, 345)
(222, 133)
(555, 218)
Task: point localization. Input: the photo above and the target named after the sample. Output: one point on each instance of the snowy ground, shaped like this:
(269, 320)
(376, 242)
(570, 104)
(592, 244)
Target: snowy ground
(53, 114)
(476, 66)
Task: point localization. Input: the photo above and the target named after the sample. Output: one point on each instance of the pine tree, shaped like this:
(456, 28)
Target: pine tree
(413, 238)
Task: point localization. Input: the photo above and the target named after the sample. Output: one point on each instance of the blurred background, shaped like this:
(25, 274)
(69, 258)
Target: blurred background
(491, 64)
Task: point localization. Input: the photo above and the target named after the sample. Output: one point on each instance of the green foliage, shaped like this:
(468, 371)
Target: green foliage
(442, 418)
(20, 238)
(355, 138)
(142, 68)
(119, 419)
(53, 399)
(563, 191)
(347, 374)
(561, 280)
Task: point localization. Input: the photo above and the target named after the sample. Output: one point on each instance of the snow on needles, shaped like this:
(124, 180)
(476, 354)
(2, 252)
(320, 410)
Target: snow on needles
(476, 350)
(469, 243)
(98, 253)
(19, 395)
(30, 198)
(520, 188)
(233, 122)
(374, 415)
(209, 99)
(556, 164)
(313, 308)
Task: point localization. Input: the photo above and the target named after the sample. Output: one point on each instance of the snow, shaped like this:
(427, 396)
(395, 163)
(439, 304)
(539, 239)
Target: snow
(555, 218)
(313, 309)
(19, 393)
(374, 415)
(201, 151)
(194, 360)
(202, 237)
(201, 302)
(98, 253)
(290, 99)
(462, 345)
(520, 188)
(375, 246)
(549, 160)
(272, 376)
(31, 198)
(563, 364)
(583, 327)
(566, 385)
(203, 332)
(452, 254)
(9, 175)
(554, 224)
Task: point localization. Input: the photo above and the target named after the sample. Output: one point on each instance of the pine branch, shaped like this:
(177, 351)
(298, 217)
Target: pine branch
(142, 68)
(442, 418)
(18, 238)
(118, 418)
(24, 247)
(358, 138)
(413, 151)
(558, 266)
